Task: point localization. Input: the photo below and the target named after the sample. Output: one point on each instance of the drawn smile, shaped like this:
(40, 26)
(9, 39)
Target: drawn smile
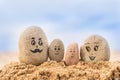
(92, 58)
(37, 50)
(56, 53)
(72, 55)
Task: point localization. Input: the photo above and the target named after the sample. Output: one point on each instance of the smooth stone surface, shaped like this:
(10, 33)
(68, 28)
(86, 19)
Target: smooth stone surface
(72, 54)
(56, 50)
(95, 48)
(33, 46)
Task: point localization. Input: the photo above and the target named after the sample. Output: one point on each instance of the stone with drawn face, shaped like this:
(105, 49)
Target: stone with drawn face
(33, 46)
(72, 54)
(95, 48)
(56, 50)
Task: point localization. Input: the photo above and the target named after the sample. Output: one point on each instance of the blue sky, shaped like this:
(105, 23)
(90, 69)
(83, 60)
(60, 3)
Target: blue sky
(69, 20)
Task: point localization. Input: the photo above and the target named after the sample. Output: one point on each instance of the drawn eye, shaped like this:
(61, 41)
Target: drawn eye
(33, 42)
(73, 50)
(88, 48)
(58, 48)
(40, 42)
(70, 50)
(96, 48)
(55, 48)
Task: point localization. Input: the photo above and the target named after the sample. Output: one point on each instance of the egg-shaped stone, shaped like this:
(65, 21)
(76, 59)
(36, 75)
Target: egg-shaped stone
(72, 54)
(56, 50)
(33, 46)
(94, 49)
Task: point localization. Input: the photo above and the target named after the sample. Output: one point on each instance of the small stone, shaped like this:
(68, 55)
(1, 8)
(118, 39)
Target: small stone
(72, 54)
(56, 50)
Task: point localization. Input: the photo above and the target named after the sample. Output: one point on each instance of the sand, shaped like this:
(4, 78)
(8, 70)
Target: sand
(7, 57)
(12, 69)
(53, 70)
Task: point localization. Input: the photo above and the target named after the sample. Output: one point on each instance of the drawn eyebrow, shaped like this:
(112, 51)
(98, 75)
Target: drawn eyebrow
(33, 38)
(70, 49)
(87, 43)
(96, 42)
(39, 38)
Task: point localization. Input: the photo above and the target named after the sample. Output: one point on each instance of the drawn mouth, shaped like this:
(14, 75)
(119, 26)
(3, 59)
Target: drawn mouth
(72, 55)
(91, 58)
(56, 53)
(36, 50)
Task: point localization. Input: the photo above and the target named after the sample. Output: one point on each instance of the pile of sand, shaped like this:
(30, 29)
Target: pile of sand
(58, 71)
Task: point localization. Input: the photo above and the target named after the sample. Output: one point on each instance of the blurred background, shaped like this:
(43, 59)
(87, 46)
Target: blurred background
(69, 20)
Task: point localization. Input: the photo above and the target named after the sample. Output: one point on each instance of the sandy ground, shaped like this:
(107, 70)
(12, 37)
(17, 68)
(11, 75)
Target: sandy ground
(6, 58)
(115, 56)
(52, 70)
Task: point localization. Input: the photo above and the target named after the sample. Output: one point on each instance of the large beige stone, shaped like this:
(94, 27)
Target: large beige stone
(95, 48)
(33, 46)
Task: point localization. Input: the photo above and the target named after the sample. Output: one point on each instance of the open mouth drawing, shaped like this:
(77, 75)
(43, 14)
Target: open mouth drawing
(37, 50)
(92, 58)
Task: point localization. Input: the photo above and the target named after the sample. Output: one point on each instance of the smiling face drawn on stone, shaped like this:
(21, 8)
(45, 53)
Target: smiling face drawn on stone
(94, 49)
(72, 51)
(56, 50)
(33, 46)
(72, 56)
(39, 43)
